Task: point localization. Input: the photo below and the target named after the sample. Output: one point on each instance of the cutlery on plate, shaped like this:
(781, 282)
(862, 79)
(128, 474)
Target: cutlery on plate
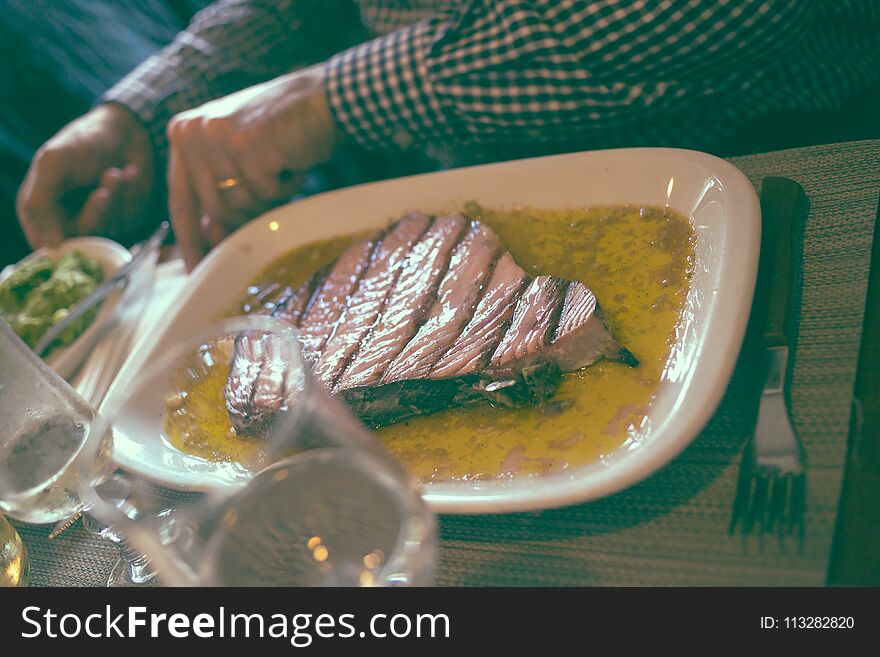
(771, 488)
(149, 247)
(93, 389)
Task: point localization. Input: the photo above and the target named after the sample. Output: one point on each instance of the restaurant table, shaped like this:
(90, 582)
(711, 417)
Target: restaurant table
(672, 528)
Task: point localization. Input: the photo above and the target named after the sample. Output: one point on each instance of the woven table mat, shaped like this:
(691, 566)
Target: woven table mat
(671, 529)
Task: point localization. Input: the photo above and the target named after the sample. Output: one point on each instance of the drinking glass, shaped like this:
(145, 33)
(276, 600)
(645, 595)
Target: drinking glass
(14, 565)
(46, 424)
(319, 500)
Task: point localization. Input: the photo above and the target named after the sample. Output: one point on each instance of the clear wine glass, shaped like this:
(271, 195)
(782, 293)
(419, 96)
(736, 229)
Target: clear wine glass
(320, 501)
(47, 422)
(46, 425)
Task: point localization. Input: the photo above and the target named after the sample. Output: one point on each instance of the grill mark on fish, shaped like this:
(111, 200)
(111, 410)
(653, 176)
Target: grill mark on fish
(289, 304)
(254, 379)
(511, 336)
(254, 299)
(270, 307)
(534, 320)
(320, 277)
(299, 302)
(481, 336)
(582, 324)
(255, 388)
(485, 289)
(415, 290)
(367, 304)
(328, 303)
(470, 266)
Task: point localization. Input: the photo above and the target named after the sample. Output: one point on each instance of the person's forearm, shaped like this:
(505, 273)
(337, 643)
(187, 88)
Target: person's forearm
(230, 45)
(538, 72)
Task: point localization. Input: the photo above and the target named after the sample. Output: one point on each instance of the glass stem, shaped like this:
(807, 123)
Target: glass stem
(138, 563)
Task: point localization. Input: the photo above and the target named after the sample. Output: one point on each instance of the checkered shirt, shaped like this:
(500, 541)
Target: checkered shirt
(482, 80)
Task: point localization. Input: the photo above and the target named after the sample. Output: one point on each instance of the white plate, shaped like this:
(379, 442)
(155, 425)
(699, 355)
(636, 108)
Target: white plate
(717, 197)
(112, 257)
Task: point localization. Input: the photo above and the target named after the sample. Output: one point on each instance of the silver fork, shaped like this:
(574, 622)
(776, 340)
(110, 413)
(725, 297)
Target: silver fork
(771, 487)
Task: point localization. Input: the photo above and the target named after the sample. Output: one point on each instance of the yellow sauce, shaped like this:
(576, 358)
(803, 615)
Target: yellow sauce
(294, 268)
(638, 261)
(196, 421)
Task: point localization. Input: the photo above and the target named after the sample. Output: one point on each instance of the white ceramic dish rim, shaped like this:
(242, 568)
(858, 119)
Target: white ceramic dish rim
(112, 256)
(724, 318)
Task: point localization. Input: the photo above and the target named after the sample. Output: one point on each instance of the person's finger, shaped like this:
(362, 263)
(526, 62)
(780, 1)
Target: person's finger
(39, 203)
(101, 204)
(184, 209)
(217, 235)
(94, 211)
(111, 177)
(124, 198)
(130, 172)
(204, 183)
(133, 194)
(117, 201)
(239, 198)
(265, 181)
(213, 231)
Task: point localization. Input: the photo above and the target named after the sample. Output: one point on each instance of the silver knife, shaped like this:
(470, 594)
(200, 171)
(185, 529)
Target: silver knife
(149, 247)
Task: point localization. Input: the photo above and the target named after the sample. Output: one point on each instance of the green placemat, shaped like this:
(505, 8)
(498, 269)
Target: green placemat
(672, 528)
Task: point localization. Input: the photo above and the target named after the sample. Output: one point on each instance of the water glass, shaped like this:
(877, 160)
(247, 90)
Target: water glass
(45, 427)
(14, 564)
(323, 503)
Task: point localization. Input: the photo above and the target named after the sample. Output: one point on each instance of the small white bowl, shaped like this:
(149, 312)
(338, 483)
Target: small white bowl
(112, 256)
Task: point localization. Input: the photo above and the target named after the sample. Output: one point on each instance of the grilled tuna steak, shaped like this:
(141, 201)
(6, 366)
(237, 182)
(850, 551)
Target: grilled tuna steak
(256, 387)
(430, 314)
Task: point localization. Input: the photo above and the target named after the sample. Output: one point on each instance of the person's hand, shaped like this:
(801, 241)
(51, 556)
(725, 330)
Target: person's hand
(232, 158)
(94, 176)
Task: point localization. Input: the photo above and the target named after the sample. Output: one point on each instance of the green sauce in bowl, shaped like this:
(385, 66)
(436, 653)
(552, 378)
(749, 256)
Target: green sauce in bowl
(40, 293)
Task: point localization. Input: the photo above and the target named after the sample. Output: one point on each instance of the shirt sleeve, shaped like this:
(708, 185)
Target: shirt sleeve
(230, 45)
(548, 71)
